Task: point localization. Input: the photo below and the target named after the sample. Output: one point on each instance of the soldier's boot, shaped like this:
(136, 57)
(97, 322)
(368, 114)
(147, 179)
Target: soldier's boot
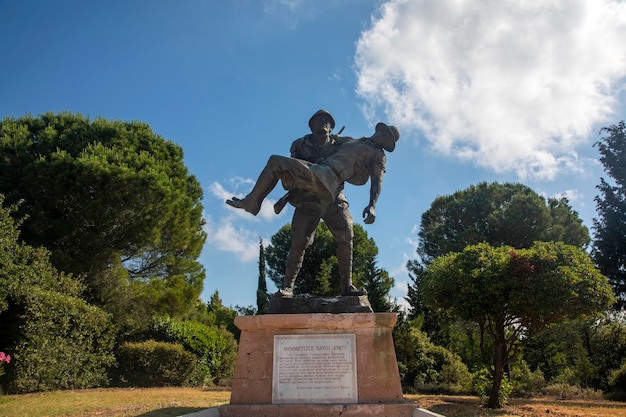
(264, 185)
(292, 267)
(344, 260)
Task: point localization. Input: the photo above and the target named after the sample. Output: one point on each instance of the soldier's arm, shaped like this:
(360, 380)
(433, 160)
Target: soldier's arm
(377, 171)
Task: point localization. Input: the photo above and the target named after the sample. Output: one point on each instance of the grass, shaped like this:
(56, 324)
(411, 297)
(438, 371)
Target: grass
(128, 402)
(549, 406)
(170, 402)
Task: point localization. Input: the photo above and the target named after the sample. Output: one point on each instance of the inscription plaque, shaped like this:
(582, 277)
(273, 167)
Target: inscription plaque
(315, 368)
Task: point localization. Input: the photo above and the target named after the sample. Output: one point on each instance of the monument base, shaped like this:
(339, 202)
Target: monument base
(380, 410)
(376, 379)
(306, 305)
(406, 409)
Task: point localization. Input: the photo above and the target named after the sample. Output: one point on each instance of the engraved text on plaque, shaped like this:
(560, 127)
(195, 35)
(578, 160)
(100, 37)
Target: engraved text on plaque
(314, 368)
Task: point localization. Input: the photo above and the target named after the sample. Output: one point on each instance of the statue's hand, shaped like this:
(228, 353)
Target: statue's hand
(369, 215)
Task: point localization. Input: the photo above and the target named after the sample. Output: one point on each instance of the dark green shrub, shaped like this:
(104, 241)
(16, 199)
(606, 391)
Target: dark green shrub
(524, 380)
(154, 364)
(427, 367)
(215, 347)
(58, 342)
(617, 382)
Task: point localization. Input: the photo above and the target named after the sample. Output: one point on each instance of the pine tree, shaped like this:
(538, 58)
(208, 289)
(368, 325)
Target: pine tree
(262, 297)
(609, 246)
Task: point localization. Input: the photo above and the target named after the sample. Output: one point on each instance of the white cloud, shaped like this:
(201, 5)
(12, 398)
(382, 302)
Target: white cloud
(238, 183)
(572, 195)
(399, 292)
(228, 232)
(226, 237)
(510, 85)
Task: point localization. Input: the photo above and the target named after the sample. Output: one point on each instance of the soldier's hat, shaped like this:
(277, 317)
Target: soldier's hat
(389, 136)
(320, 113)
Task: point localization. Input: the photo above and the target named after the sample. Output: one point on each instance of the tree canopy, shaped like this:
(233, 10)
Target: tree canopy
(498, 214)
(609, 246)
(111, 200)
(512, 294)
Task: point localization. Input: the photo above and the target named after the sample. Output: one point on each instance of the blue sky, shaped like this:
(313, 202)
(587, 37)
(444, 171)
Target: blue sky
(481, 90)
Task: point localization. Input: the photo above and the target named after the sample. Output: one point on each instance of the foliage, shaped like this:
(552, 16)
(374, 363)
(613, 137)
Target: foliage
(57, 340)
(554, 350)
(319, 275)
(580, 352)
(609, 246)
(512, 294)
(571, 392)
(426, 366)
(215, 347)
(482, 386)
(617, 381)
(222, 316)
(498, 214)
(605, 341)
(493, 213)
(154, 364)
(111, 200)
(262, 297)
(378, 284)
(4, 358)
(524, 380)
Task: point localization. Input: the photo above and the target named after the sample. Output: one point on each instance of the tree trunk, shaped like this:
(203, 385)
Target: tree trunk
(498, 371)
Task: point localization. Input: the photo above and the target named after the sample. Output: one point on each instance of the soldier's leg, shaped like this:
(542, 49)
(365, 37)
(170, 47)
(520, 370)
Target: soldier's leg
(339, 222)
(277, 167)
(303, 225)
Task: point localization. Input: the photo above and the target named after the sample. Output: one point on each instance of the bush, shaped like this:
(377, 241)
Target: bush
(617, 382)
(572, 392)
(425, 366)
(215, 347)
(58, 342)
(482, 384)
(153, 364)
(525, 380)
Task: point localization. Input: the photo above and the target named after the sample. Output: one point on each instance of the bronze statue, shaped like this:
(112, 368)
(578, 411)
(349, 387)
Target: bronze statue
(314, 176)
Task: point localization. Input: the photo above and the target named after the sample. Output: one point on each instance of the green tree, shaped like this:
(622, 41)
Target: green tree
(581, 352)
(222, 316)
(319, 275)
(512, 294)
(498, 214)
(378, 284)
(262, 297)
(609, 245)
(111, 200)
(56, 339)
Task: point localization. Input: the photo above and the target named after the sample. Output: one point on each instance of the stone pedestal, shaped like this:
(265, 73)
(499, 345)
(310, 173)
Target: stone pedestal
(376, 380)
(305, 305)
